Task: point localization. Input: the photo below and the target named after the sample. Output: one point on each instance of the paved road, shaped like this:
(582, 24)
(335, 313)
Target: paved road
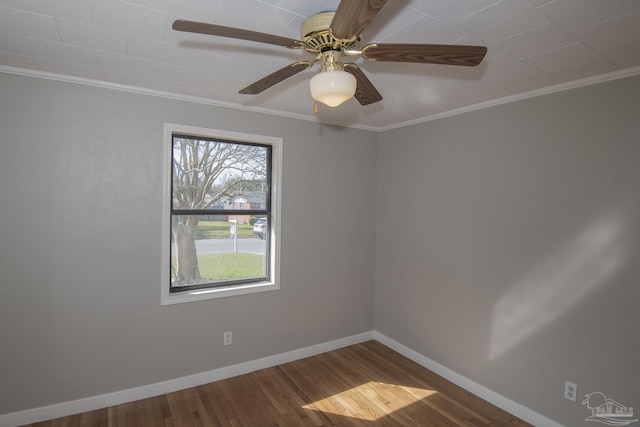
(249, 245)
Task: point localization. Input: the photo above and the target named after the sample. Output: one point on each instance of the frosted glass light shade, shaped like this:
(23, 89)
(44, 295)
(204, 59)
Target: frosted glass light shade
(332, 87)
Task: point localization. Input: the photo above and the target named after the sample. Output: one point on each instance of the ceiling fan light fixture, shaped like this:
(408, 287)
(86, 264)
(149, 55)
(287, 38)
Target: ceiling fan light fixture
(330, 36)
(332, 87)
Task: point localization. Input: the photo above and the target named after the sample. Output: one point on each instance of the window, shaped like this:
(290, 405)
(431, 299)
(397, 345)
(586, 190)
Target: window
(221, 214)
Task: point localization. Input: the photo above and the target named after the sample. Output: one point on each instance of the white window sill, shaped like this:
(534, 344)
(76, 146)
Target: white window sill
(206, 294)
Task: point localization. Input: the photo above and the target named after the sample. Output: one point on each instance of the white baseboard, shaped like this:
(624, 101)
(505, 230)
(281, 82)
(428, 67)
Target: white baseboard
(111, 399)
(490, 396)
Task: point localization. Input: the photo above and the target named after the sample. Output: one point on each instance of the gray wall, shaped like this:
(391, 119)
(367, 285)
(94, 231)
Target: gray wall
(508, 245)
(80, 224)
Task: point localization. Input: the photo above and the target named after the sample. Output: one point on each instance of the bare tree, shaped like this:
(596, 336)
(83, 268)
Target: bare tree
(206, 172)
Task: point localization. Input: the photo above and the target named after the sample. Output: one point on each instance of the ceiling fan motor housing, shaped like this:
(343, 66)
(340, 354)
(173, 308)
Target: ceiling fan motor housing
(318, 22)
(316, 35)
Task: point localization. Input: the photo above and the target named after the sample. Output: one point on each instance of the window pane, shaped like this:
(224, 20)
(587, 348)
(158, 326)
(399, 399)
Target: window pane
(206, 251)
(216, 175)
(221, 218)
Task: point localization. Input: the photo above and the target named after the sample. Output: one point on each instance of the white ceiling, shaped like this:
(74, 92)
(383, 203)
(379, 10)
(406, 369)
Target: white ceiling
(533, 46)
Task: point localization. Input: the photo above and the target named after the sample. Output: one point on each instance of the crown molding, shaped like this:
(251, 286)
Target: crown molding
(167, 95)
(627, 72)
(601, 78)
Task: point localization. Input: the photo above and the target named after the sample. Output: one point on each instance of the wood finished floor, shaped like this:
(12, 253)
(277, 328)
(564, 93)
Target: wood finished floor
(364, 385)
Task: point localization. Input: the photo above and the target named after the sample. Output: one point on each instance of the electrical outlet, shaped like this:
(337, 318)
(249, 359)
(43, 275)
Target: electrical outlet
(228, 339)
(570, 391)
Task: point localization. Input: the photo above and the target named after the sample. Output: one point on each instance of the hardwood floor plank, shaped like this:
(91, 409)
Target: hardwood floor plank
(485, 411)
(178, 409)
(285, 399)
(363, 385)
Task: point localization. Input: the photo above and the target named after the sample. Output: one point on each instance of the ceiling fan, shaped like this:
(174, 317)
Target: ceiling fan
(332, 36)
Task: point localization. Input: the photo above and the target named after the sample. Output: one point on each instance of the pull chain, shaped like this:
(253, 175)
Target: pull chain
(315, 108)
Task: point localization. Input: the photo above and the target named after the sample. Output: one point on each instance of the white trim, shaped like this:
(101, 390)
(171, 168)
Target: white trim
(117, 398)
(490, 396)
(614, 75)
(168, 95)
(628, 72)
(276, 202)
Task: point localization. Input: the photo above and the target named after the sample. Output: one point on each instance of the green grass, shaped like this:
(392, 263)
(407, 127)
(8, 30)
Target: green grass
(227, 266)
(230, 266)
(221, 229)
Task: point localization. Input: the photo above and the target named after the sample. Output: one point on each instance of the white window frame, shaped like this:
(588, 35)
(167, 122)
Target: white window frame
(274, 224)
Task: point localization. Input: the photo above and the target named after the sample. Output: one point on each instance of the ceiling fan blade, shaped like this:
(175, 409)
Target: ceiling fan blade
(352, 16)
(275, 78)
(366, 93)
(469, 56)
(235, 33)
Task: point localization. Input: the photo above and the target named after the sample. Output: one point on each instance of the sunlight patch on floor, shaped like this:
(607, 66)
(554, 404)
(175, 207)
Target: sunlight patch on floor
(357, 402)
